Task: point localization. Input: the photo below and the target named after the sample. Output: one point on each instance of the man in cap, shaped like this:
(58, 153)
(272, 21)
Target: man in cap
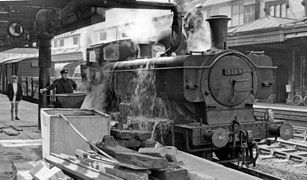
(62, 85)
(193, 20)
(14, 93)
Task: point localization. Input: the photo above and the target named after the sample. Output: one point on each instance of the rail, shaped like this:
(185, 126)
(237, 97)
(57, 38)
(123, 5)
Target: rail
(287, 150)
(253, 172)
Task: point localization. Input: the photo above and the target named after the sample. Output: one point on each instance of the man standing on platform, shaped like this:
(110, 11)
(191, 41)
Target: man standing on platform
(62, 85)
(14, 93)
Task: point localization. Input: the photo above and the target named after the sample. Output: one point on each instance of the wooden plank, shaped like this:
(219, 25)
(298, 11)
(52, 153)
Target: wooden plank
(79, 170)
(171, 174)
(110, 146)
(142, 160)
(156, 151)
(127, 175)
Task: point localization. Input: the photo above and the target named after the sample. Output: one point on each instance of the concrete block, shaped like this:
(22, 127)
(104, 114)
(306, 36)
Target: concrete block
(24, 175)
(171, 150)
(38, 166)
(142, 160)
(42, 172)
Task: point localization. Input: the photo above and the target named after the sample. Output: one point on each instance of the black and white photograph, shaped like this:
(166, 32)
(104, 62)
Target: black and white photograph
(153, 90)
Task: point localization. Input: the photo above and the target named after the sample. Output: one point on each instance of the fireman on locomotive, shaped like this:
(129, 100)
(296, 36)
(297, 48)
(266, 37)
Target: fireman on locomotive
(193, 20)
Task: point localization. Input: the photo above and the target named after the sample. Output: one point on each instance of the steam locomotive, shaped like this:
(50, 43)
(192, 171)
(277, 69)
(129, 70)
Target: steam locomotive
(208, 95)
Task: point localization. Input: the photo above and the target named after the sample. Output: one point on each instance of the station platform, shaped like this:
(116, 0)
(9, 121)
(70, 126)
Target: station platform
(19, 153)
(279, 106)
(295, 115)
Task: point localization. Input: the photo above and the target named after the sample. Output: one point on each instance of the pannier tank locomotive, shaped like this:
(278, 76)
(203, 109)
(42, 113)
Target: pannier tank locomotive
(216, 89)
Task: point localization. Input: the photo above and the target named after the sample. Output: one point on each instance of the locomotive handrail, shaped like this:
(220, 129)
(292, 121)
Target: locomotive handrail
(180, 67)
(196, 67)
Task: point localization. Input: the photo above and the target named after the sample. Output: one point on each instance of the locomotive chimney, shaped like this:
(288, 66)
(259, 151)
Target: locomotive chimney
(218, 26)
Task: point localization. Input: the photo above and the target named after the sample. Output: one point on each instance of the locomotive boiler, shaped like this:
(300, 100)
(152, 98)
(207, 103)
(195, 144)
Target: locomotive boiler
(209, 96)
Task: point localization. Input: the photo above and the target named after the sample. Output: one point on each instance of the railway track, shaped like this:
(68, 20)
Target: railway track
(300, 133)
(282, 151)
(294, 149)
(286, 150)
(253, 172)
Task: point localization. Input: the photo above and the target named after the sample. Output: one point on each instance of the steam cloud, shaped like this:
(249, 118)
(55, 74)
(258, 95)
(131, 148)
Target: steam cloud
(97, 97)
(200, 39)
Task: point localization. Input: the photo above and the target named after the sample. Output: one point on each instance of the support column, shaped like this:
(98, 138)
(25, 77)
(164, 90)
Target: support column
(291, 78)
(44, 36)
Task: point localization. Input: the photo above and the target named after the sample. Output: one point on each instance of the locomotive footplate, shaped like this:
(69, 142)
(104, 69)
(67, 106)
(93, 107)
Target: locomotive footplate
(195, 137)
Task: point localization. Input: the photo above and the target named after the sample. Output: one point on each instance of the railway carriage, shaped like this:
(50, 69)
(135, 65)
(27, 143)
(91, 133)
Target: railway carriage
(27, 70)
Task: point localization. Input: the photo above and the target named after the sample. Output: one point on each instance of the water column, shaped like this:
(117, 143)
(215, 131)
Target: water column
(44, 35)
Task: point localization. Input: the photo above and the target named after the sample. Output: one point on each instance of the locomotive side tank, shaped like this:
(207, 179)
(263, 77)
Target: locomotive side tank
(213, 92)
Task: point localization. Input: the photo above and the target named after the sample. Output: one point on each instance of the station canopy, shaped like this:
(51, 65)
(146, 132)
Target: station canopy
(17, 19)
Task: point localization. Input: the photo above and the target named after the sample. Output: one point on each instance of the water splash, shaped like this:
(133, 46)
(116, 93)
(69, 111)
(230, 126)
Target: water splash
(144, 100)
